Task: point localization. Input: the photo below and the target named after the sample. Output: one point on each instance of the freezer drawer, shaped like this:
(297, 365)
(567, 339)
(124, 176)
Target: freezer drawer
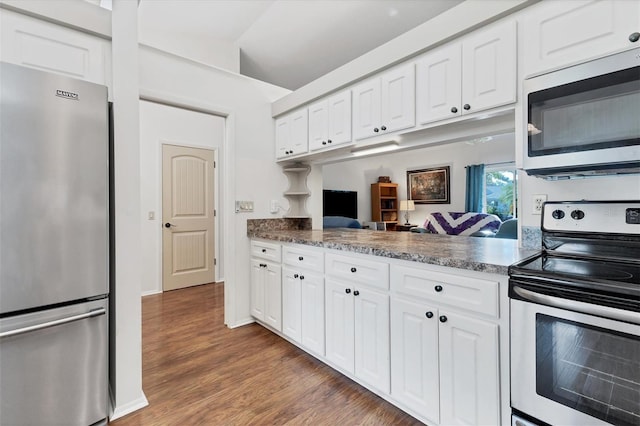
(53, 366)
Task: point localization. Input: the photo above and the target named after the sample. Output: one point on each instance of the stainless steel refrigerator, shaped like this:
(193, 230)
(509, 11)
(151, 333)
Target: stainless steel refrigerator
(54, 249)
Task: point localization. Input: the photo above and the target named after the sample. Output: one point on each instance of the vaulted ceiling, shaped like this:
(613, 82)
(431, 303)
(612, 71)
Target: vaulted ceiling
(290, 43)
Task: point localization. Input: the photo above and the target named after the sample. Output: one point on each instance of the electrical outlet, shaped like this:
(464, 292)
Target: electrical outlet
(538, 201)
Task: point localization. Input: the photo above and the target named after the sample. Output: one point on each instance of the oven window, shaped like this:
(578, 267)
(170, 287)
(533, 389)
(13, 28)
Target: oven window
(596, 113)
(590, 369)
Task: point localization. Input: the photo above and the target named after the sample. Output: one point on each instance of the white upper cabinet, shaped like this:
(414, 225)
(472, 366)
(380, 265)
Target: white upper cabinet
(366, 109)
(438, 84)
(330, 121)
(340, 118)
(469, 76)
(489, 68)
(318, 125)
(561, 32)
(398, 98)
(42, 45)
(291, 134)
(384, 104)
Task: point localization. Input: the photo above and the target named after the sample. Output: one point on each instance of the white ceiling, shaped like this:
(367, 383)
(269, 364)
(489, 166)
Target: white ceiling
(290, 43)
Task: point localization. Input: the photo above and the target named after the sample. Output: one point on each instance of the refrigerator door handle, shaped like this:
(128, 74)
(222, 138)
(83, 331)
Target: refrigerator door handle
(90, 314)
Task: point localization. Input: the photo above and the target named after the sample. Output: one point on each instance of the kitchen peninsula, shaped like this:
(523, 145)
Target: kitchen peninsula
(421, 320)
(492, 255)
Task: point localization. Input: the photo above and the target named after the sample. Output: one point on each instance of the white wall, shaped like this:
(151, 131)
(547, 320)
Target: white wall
(358, 175)
(219, 54)
(599, 188)
(162, 124)
(247, 166)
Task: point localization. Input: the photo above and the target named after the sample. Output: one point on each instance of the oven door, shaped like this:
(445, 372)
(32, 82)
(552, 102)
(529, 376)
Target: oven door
(574, 368)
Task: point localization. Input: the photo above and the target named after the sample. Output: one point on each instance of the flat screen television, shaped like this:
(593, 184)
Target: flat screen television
(340, 203)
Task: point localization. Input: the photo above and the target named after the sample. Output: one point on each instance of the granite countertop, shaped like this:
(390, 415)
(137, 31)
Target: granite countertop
(492, 255)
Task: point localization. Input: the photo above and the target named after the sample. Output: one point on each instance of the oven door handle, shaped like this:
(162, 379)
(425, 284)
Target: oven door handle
(572, 305)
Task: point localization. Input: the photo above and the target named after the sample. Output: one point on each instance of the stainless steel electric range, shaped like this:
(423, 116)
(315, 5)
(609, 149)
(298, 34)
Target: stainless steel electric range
(575, 318)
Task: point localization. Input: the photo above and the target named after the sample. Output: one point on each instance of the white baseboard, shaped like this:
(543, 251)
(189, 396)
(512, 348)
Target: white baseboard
(240, 323)
(127, 408)
(150, 292)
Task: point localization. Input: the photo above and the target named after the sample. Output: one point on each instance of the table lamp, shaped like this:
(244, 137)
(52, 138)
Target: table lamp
(407, 206)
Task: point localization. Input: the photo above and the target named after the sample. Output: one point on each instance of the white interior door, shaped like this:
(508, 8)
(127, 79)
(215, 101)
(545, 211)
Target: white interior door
(187, 216)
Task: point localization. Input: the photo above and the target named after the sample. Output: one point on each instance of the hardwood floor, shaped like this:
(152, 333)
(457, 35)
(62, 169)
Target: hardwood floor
(196, 371)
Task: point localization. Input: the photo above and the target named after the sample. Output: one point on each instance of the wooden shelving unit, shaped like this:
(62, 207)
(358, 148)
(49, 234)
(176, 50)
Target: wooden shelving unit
(384, 204)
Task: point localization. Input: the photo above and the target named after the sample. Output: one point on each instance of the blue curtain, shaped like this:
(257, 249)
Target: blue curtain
(475, 178)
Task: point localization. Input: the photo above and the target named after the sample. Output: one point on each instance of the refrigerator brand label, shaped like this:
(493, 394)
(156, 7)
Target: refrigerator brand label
(67, 95)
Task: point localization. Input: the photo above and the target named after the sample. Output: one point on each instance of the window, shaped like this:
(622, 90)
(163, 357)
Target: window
(500, 195)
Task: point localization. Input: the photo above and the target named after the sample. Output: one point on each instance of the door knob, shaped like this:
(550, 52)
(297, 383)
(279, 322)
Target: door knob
(168, 225)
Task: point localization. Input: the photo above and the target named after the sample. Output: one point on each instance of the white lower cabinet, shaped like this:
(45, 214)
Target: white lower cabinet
(432, 340)
(414, 357)
(266, 295)
(339, 327)
(357, 332)
(303, 297)
(445, 359)
(469, 370)
(312, 313)
(303, 308)
(444, 365)
(291, 304)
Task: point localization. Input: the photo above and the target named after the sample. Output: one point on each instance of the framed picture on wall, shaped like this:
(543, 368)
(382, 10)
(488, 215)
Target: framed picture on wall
(429, 186)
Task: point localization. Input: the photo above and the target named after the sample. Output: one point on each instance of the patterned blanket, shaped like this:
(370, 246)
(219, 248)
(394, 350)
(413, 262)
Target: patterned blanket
(457, 223)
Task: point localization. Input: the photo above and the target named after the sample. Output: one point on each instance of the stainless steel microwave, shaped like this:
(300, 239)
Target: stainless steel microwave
(584, 120)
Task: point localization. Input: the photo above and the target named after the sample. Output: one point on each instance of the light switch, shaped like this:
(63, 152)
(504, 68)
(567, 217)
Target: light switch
(244, 206)
(152, 215)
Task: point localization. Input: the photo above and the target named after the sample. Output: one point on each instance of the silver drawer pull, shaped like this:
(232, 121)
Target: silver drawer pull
(90, 314)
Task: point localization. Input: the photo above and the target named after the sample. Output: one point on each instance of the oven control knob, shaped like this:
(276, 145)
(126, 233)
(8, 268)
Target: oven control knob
(577, 214)
(557, 214)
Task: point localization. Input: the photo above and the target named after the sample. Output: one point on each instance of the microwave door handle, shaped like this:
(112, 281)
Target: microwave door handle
(90, 314)
(571, 305)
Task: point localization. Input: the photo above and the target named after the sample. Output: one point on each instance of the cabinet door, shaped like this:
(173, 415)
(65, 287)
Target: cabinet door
(366, 109)
(339, 324)
(397, 99)
(257, 289)
(313, 312)
(371, 316)
(489, 66)
(558, 33)
(469, 371)
(339, 118)
(299, 132)
(291, 299)
(414, 357)
(42, 45)
(273, 295)
(318, 125)
(283, 136)
(438, 84)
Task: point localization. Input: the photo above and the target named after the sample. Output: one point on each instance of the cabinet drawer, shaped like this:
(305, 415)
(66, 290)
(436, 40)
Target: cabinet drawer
(266, 250)
(473, 294)
(352, 269)
(311, 260)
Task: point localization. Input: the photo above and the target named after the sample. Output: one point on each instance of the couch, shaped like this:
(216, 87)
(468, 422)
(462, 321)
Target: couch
(461, 223)
(340, 222)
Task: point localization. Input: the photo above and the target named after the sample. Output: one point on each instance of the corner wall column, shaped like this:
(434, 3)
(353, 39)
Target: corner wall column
(125, 374)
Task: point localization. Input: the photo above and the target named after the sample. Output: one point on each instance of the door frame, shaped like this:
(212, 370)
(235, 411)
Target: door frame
(226, 182)
(216, 203)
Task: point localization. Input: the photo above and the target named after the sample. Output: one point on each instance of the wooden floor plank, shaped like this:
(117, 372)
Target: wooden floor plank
(196, 371)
